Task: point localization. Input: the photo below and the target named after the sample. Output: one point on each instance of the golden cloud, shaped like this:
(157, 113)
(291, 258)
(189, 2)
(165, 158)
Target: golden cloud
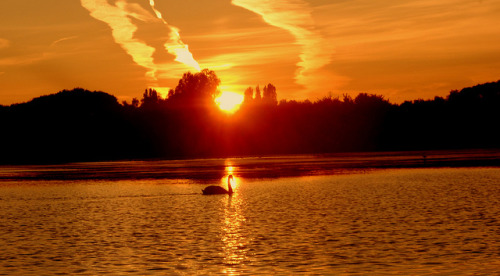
(295, 17)
(119, 18)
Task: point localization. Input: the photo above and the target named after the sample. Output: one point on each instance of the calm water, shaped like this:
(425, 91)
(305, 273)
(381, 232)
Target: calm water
(421, 221)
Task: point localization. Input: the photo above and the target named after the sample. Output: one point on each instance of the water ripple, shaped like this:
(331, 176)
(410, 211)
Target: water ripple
(404, 221)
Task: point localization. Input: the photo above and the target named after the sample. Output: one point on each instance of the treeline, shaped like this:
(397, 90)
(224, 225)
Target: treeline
(80, 125)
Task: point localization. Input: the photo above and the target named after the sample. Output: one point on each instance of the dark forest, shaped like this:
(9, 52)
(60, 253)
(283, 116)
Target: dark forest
(80, 125)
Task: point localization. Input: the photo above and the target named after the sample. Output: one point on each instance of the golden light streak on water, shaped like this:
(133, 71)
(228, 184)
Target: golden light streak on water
(235, 242)
(230, 170)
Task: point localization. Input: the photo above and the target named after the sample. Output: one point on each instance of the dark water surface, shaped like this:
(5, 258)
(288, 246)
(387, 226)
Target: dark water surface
(321, 220)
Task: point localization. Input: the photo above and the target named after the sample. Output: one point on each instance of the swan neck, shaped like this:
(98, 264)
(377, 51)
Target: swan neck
(229, 187)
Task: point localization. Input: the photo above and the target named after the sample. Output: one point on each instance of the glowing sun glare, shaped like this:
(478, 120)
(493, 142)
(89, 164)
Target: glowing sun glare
(229, 101)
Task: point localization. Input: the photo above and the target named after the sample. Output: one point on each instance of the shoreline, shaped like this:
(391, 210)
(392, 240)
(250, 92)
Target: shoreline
(252, 167)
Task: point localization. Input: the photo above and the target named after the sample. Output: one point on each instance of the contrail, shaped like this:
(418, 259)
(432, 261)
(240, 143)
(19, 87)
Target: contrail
(295, 17)
(175, 46)
(118, 17)
(123, 31)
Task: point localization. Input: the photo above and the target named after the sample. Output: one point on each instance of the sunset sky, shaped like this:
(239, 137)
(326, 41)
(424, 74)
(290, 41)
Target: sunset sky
(402, 49)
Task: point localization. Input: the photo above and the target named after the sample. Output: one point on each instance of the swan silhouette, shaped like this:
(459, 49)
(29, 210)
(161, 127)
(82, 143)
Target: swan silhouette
(218, 190)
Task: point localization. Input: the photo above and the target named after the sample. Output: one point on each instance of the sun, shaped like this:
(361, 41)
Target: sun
(229, 101)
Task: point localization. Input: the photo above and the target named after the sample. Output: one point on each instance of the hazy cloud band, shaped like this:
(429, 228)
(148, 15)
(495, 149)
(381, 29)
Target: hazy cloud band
(295, 17)
(175, 46)
(119, 18)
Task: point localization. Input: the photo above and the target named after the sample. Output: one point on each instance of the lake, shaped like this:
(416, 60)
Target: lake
(358, 214)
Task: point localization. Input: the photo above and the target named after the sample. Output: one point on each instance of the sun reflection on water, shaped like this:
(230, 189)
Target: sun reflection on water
(235, 242)
(230, 170)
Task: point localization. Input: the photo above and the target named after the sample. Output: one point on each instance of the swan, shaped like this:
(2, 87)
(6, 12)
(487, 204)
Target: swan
(218, 190)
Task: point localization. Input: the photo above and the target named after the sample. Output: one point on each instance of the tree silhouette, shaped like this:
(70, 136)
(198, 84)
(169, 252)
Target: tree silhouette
(199, 89)
(269, 95)
(248, 96)
(80, 125)
(150, 98)
(257, 96)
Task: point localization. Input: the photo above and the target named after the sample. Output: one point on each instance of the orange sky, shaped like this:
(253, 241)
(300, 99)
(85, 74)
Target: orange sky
(402, 49)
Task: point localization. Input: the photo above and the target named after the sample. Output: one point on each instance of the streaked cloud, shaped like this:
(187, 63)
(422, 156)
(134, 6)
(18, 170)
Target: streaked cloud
(254, 57)
(62, 40)
(294, 16)
(26, 59)
(120, 17)
(411, 49)
(175, 46)
(117, 17)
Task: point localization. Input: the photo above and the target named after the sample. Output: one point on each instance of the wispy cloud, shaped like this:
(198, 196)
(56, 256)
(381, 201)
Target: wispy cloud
(62, 40)
(294, 16)
(117, 17)
(175, 46)
(26, 59)
(22, 58)
(389, 46)
(120, 17)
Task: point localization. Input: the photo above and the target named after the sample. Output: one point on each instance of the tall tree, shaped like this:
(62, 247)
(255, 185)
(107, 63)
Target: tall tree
(150, 98)
(258, 96)
(248, 95)
(199, 89)
(270, 96)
